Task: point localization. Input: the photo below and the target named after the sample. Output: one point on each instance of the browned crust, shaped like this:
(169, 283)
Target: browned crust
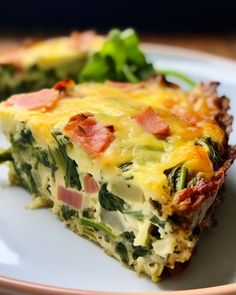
(162, 80)
(191, 201)
(218, 105)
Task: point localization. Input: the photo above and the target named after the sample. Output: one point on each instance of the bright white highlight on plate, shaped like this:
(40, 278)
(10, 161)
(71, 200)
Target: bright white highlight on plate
(7, 256)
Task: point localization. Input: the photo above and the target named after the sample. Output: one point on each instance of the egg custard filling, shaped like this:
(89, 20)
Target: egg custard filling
(134, 167)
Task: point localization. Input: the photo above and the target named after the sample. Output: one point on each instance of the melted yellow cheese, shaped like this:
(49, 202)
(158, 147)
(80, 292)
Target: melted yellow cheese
(116, 106)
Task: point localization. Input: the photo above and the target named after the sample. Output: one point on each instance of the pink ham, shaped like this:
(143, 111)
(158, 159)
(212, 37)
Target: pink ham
(92, 135)
(90, 185)
(153, 123)
(44, 99)
(69, 197)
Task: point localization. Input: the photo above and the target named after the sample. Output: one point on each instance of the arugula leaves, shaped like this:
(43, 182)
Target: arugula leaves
(120, 59)
(213, 151)
(71, 174)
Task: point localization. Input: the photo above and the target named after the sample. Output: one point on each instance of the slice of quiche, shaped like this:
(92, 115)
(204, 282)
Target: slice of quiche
(134, 167)
(43, 63)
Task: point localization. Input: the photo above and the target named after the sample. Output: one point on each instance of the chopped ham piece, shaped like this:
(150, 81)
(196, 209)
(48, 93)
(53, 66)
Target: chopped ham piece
(69, 197)
(90, 185)
(153, 123)
(93, 136)
(44, 99)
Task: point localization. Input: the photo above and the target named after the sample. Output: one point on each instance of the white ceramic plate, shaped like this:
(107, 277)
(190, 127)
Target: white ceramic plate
(37, 248)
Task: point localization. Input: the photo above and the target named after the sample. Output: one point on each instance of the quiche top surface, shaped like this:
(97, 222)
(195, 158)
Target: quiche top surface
(135, 133)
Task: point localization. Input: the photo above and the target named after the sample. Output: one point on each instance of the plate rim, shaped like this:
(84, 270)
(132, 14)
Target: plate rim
(11, 285)
(153, 48)
(28, 288)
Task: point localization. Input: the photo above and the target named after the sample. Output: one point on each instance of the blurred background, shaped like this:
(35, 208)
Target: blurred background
(205, 25)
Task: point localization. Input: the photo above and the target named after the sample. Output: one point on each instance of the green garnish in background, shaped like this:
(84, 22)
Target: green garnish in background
(120, 59)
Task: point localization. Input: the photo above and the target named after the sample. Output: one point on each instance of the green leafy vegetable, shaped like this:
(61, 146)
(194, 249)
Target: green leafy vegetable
(178, 75)
(67, 212)
(35, 77)
(27, 169)
(6, 155)
(120, 59)
(129, 236)
(122, 251)
(126, 166)
(213, 150)
(139, 251)
(71, 174)
(181, 183)
(135, 214)
(98, 226)
(24, 174)
(88, 213)
(154, 219)
(46, 158)
(23, 140)
(157, 205)
(109, 201)
(177, 178)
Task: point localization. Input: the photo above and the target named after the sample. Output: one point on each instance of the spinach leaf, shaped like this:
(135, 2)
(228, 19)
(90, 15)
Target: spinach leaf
(27, 169)
(98, 226)
(67, 212)
(109, 201)
(24, 174)
(120, 59)
(122, 251)
(129, 236)
(139, 251)
(154, 219)
(157, 205)
(177, 178)
(88, 213)
(213, 150)
(25, 139)
(46, 158)
(71, 174)
(6, 155)
(135, 214)
(41, 156)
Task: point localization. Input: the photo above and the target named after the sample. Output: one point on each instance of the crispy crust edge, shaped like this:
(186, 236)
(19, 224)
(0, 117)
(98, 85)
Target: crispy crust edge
(209, 191)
